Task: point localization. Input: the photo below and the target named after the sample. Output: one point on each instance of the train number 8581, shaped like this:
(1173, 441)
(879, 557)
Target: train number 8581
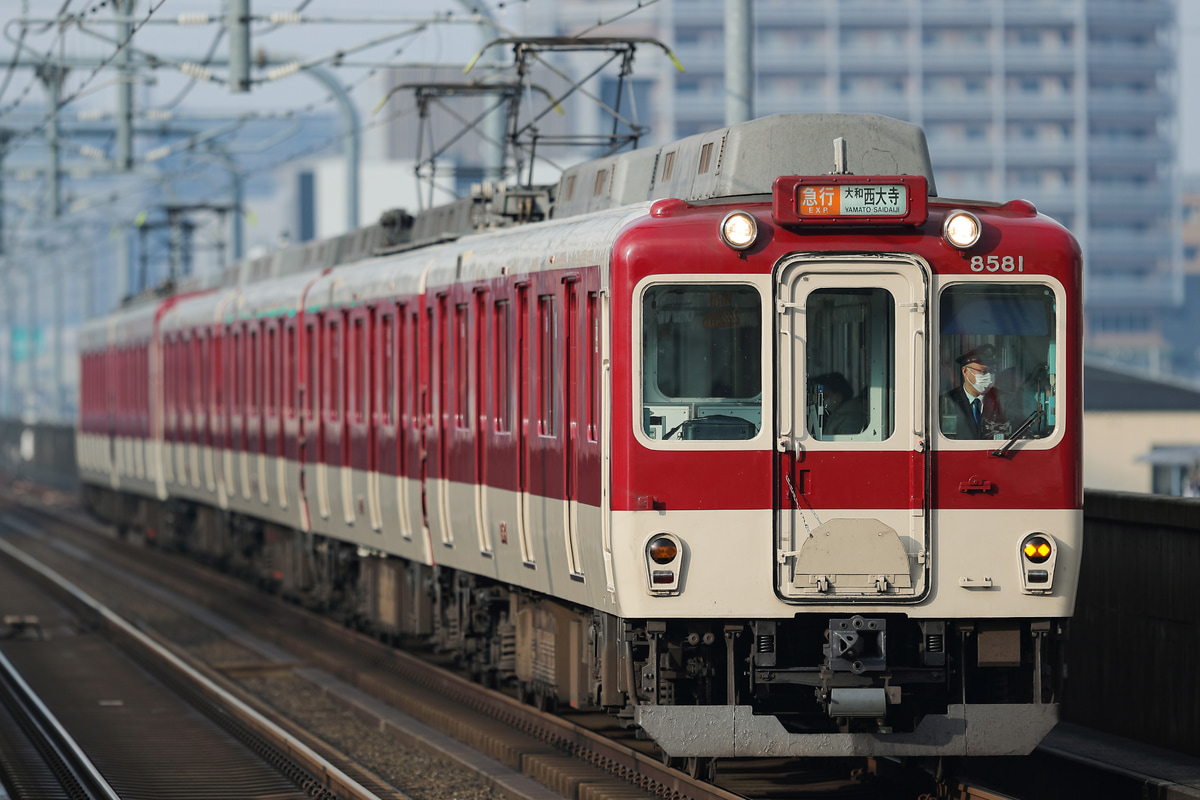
(997, 264)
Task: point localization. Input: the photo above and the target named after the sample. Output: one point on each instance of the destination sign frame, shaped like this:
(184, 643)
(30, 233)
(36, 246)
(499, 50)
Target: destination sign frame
(850, 200)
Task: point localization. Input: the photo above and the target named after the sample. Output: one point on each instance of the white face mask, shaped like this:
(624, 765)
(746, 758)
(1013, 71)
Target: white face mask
(981, 382)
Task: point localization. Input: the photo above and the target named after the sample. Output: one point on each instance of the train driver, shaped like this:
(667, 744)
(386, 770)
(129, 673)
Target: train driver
(972, 409)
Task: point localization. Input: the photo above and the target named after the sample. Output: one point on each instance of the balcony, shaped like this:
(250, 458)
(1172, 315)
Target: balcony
(1123, 16)
(1120, 59)
(1023, 155)
(1127, 104)
(1107, 247)
(890, 63)
(957, 60)
(955, 14)
(1024, 59)
(1039, 108)
(799, 60)
(874, 14)
(957, 108)
(1137, 290)
(874, 104)
(1133, 153)
(1115, 200)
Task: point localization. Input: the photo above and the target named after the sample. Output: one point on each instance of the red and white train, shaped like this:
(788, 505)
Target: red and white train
(690, 448)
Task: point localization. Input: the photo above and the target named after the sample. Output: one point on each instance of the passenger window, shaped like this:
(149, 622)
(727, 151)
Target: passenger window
(997, 358)
(850, 364)
(701, 362)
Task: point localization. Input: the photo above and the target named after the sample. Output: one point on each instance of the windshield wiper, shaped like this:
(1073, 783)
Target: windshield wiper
(1003, 451)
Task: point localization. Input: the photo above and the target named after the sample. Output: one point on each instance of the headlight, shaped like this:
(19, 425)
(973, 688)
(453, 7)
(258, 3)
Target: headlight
(962, 229)
(739, 230)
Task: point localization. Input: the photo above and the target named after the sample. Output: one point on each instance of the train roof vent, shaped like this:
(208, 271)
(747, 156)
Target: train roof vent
(745, 159)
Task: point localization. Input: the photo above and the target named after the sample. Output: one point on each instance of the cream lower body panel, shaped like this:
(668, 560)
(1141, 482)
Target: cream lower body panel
(524, 541)
(729, 562)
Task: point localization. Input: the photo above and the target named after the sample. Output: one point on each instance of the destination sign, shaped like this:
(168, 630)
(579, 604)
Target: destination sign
(852, 200)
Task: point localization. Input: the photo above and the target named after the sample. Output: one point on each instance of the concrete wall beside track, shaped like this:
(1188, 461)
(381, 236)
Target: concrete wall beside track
(1134, 652)
(40, 453)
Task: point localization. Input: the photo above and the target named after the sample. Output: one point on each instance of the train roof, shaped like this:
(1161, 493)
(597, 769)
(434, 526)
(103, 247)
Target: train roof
(745, 159)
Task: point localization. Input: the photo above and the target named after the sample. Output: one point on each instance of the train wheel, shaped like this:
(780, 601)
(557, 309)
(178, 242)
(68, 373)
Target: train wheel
(701, 768)
(547, 701)
(674, 762)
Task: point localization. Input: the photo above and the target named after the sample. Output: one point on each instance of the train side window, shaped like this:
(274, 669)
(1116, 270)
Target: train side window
(312, 336)
(850, 364)
(998, 343)
(701, 362)
(335, 384)
(546, 377)
(387, 351)
(289, 371)
(592, 343)
(358, 377)
(215, 375)
(253, 374)
(238, 365)
(501, 364)
(461, 365)
(203, 389)
(270, 377)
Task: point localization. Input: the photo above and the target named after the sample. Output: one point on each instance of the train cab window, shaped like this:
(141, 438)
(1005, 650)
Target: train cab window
(850, 364)
(701, 362)
(997, 354)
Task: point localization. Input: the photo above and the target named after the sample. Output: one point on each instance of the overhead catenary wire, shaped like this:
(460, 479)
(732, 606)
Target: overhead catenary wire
(22, 136)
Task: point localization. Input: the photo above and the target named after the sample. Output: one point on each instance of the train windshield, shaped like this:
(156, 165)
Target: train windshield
(997, 358)
(701, 362)
(851, 345)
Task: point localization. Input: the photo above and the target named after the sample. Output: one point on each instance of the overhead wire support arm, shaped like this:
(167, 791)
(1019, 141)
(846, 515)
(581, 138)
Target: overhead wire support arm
(525, 138)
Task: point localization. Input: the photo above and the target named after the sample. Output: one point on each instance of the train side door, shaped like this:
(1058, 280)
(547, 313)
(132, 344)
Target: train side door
(571, 406)
(524, 405)
(479, 413)
(851, 488)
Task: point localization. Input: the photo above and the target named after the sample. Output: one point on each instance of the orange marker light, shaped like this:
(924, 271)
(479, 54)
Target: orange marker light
(1037, 549)
(663, 551)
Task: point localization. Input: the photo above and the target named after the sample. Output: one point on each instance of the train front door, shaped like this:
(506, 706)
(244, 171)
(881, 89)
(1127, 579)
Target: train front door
(852, 429)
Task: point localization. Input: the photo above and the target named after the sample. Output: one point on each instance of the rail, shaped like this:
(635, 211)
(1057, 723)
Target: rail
(70, 767)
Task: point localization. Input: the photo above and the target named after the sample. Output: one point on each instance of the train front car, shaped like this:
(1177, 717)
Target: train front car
(823, 545)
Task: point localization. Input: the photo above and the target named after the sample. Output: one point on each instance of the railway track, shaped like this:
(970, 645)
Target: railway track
(38, 757)
(149, 722)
